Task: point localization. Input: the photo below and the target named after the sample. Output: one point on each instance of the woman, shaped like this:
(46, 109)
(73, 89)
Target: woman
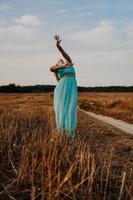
(65, 93)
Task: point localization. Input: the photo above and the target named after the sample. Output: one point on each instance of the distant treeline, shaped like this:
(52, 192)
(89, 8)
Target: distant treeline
(12, 88)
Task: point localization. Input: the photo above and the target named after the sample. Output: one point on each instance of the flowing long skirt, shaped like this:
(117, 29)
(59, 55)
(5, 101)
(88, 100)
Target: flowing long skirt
(65, 105)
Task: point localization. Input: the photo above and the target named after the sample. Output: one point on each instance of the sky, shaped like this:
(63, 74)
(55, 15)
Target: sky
(97, 34)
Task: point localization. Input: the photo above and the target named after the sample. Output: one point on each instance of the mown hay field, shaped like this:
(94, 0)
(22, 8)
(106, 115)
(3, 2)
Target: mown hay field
(117, 105)
(37, 162)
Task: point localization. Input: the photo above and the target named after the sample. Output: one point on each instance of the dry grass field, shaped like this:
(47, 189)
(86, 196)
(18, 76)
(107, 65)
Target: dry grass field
(38, 163)
(117, 105)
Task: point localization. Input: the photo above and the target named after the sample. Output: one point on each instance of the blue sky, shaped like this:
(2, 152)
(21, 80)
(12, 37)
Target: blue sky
(98, 35)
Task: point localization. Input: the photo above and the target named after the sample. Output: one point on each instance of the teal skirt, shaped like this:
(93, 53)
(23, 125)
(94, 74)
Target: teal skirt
(65, 105)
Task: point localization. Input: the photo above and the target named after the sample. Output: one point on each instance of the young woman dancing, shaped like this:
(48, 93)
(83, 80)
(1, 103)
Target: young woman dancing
(65, 93)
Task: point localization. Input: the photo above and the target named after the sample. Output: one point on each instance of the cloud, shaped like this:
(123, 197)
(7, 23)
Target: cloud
(102, 54)
(129, 30)
(25, 55)
(85, 14)
(4, 7)
(62, 11)
(29, 20)
(15, 35)
(81, 14)
(79, 8)
(105, 36)
(20, 40)
(89, 13)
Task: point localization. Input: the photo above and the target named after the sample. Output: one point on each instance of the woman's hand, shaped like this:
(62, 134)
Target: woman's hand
(65, 55)
(58, 40)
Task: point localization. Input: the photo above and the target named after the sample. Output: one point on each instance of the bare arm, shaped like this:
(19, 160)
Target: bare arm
(56, 76)
(53, 68)
(65, 55)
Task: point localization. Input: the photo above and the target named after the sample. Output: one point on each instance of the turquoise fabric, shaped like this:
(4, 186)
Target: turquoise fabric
(65, 102)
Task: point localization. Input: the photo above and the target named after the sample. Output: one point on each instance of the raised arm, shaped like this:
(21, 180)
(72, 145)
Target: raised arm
(65, 55)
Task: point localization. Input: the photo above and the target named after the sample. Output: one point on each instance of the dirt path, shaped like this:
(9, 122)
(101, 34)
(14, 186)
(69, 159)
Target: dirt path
(126, 127)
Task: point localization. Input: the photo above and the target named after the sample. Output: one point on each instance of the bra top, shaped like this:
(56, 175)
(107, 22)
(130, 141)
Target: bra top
(62, 71)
